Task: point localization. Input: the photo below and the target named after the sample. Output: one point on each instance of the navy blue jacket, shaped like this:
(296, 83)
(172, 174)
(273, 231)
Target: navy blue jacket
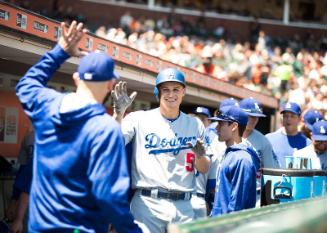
(80, 176)
(236, 182)
(24, 178)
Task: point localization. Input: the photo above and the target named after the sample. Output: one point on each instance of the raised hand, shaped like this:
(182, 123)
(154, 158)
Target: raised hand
(71, 37)
(121, 100)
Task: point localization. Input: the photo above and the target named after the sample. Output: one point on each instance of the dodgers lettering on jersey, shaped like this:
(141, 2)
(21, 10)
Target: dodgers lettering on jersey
(162, 156)
(165, 145)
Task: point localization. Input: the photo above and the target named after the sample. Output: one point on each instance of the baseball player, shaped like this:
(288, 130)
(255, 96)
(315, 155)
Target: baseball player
(260, 143)
(236, 180)
(80, 176)
(263, 147)
(211, 130)
(217, 148)
(310, 116)
(317, 151)
(288, 139)
(205, 183)
(228, 103)
(166, 151)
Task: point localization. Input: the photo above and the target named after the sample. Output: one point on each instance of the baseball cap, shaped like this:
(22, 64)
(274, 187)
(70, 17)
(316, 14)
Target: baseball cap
(252, 107)
(319, 131)
(311, 116)
(203, 111)
(291, 107)
(97, 67)
(228, 102)
(232, 114)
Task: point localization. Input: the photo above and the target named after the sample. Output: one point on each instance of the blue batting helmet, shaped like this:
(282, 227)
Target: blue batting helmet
(168, 75)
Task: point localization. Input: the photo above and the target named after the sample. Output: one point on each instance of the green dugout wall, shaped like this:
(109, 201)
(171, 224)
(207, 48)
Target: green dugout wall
(309, 216)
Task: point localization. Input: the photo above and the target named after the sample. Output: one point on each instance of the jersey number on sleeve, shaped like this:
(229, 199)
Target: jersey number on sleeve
(190, 162)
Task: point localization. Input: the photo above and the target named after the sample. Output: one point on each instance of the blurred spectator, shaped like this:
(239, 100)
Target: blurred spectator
(126, 21)
(207, 66)
(284, 72)
(296, 94)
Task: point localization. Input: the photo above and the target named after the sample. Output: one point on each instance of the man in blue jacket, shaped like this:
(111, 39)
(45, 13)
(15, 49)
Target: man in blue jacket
(236, 181)
(80, 176)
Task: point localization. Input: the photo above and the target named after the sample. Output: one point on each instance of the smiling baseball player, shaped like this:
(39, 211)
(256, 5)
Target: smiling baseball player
(166, 151)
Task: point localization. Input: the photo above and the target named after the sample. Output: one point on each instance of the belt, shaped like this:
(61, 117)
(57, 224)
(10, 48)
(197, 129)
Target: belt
(200, 195)
(170, 195)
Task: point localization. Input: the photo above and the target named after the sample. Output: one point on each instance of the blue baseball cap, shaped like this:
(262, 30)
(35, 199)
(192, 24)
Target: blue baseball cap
(203, 111)
(319, 131)
(97, 67)
(291, 107)
(232, 114)
(227, 103)
(252, 107)
(311, 116)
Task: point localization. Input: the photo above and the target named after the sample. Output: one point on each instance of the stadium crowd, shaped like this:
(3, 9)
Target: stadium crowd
(291, 71)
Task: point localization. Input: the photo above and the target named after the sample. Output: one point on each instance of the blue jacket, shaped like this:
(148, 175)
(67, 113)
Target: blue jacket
(80, 176)
(236, 183)
(24, 178)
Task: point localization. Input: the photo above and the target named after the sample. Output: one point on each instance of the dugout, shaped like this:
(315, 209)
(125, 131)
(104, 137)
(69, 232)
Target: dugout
(308, 216)
(25, 36)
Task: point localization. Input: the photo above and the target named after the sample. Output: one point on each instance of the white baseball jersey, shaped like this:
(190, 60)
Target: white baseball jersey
(161, 154)
(264, 149)
(217, 149)
(318, 161)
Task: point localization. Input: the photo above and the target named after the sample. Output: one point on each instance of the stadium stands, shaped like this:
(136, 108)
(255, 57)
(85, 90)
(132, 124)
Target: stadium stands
(264, 62)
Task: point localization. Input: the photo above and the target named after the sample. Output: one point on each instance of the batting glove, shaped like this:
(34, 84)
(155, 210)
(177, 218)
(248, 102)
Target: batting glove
(121, 100)
(199, 148)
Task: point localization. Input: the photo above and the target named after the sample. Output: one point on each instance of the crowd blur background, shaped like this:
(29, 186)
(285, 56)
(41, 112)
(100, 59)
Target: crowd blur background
(291, 69)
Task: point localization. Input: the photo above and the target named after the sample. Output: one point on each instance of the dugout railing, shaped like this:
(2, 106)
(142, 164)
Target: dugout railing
(305, 216)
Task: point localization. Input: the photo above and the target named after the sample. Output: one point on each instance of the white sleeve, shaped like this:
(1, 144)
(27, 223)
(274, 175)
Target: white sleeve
(201, 128)
(213, 167)
(129, 126)
(269, 160)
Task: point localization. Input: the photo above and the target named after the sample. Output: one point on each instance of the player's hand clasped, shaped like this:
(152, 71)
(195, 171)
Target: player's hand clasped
(199, 148)
(121, 100)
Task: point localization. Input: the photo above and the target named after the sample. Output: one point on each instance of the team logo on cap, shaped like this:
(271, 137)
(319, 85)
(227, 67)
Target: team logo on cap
(322, 130)
(288, 105)
(88, 76)
(171, 76)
